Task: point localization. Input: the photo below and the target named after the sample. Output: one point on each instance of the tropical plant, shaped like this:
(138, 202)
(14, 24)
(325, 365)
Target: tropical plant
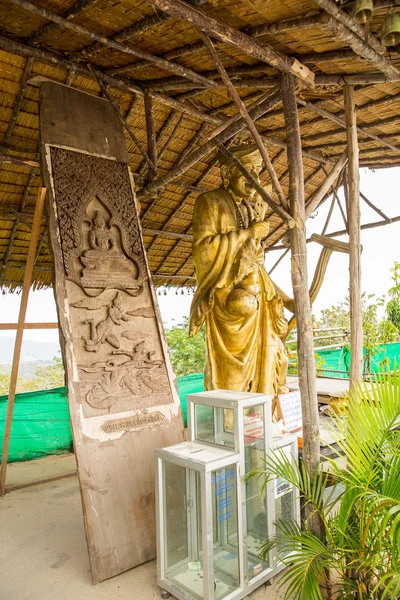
(393, 306)
(188, 355)
(358, 554)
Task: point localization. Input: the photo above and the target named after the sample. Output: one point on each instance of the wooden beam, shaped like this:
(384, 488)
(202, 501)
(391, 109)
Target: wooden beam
(123, 121)
(13, 232)
(10, 45)
(305, 343)
(210, 145)
(250, 123)
(336, 119)
(232, 36)
(288, 25)
(315, 200)
(19, 335)
(342, 17)
(26, 73)
(151, 134)
(17, 160)
(356, 331)
(136, 29)
(78, 8)
(375, 208)
(361, 48)
(109, 43)
(11, 326)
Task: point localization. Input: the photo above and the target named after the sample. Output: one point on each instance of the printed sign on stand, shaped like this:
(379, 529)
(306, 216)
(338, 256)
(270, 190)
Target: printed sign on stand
(290, 410)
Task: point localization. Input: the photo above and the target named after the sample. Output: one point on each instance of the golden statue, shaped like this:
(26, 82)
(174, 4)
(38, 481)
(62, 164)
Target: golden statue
(243, 311)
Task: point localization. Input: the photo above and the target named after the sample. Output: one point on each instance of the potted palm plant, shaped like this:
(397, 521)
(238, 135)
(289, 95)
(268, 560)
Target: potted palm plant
(357, 555)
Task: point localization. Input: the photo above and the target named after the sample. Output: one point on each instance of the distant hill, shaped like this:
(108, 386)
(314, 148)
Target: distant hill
(31, 351)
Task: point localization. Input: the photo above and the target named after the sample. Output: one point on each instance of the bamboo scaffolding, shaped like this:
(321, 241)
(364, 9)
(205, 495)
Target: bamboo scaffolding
(19, 335)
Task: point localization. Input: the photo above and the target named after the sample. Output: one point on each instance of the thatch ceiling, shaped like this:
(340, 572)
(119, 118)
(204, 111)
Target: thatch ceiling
(33, 47)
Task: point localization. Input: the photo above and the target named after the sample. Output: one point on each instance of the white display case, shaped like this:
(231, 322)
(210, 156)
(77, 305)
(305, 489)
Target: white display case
(210, 522)
(199, 522)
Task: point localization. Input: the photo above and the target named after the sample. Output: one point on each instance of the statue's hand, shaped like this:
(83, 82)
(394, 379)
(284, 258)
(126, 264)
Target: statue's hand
(260, 229)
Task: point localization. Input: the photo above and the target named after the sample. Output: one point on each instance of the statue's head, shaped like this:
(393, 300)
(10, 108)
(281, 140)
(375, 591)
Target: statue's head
(232, 178)
(99, 221)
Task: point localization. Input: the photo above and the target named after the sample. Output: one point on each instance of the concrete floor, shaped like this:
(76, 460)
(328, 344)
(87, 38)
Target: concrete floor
(43, 552)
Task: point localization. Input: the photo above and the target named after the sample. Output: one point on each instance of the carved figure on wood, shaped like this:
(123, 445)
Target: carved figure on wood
(245, 322)
(104, 261)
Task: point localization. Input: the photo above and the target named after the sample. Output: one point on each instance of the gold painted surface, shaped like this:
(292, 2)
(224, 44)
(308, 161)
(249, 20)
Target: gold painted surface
(243, 312)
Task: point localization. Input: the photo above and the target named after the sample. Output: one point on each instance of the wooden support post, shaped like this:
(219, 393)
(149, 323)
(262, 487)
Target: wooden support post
(20, 332)
(307, 375)
(356, 331)
(151, 134)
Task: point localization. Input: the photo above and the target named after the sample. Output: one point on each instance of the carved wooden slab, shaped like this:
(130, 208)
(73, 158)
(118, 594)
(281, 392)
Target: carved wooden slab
(123, 402)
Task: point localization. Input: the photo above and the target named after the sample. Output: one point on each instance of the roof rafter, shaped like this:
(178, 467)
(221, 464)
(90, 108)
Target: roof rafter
(233, 36)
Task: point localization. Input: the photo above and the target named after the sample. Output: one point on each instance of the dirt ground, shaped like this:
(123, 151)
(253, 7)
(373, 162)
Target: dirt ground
(43, 553)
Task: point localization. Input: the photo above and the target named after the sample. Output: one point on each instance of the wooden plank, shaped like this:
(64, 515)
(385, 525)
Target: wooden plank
(10, 326)
(122, 399)
(354, 217)
(19, 335)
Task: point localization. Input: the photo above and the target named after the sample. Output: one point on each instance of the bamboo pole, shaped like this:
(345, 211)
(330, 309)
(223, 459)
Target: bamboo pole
(250, 123)
(19, 335)
(151, 134)
(356, 331)
(327, 183)
(307, 374)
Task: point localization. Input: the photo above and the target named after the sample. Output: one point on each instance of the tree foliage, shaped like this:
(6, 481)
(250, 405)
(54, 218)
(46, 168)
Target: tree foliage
(188, 355)
(376, 331)
(393, 306)
(45, 377)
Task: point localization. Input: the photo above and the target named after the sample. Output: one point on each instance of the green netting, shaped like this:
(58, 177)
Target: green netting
(40, 424)
(190, 384)
(339, 360)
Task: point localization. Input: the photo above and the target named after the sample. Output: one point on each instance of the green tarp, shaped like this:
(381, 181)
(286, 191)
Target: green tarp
(41, 423)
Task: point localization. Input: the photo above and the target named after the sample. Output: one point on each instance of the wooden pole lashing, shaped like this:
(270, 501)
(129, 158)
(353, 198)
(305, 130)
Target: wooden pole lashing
(19, 335)
(356, 331)
(306, 360)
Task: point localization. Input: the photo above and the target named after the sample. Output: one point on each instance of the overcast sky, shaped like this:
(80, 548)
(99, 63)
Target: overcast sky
(381, 247)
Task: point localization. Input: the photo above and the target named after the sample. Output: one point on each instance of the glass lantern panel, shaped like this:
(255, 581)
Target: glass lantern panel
(284, 498)
(284, 512)
(226, 539)
(214, 425)
(182, 529)
(256, 504)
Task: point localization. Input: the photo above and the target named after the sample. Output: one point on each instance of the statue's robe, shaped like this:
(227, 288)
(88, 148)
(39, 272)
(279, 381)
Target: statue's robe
(244, 353)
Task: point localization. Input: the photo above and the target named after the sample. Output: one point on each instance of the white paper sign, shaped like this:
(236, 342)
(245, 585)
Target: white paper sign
(290, 407)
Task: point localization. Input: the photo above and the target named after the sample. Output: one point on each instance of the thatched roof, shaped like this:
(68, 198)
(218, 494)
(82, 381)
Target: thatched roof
(185, 111)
